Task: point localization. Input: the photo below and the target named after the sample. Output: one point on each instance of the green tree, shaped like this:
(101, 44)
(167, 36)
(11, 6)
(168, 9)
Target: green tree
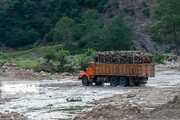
(168, 28)
(19, 38)
(94, 40)
(21, 23)
(83, 59)
(91, 20)
(63, 30)
(61, 57)
(91, 25)
(118, 35)
(49, 36)
(50, 55)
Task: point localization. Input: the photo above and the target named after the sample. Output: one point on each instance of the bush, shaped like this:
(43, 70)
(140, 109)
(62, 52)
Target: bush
(29, 47)
(146, 12)
(111, 15)
(83, 59)
(46, 67)
(155, 34)
(42, 68)
(131, 11)
(102, 8)
(61, 57)
(3, 55)
(144, 4)
(116, 4)
(90, 52)
(69, 68)
(158, 58)
(50, 55)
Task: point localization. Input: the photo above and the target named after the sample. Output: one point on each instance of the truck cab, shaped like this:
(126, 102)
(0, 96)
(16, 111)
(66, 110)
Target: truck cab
(87, 72)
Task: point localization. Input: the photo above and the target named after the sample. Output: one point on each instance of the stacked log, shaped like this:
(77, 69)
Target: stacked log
(123, 57)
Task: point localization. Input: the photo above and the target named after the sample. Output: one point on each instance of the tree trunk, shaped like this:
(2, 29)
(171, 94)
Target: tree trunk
(175, 40)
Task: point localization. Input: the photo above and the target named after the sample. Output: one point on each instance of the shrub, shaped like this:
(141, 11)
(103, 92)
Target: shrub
(69, 68)
(111, 15)
(102, 9)
(29, 47)
(144, 4)
(116, 4)
(158, 58)
(42, 68)
(50, 55)
(61, 57)
(90, 52)
(146, 12)
(83, 59)
(3, 55)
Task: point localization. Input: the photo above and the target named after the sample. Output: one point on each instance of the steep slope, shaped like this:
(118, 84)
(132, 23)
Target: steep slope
(137, 14)
(37, 23)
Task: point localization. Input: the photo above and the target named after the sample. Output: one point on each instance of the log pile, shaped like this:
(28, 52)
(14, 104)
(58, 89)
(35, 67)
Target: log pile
(123, 57)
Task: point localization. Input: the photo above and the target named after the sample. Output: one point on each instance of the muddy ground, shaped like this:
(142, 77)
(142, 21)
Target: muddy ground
(61, 96)
(145, 103)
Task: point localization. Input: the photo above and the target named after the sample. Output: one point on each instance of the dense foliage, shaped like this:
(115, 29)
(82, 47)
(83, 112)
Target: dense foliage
(62, 62)
(167, 30)
(78, 25)
(73, 23)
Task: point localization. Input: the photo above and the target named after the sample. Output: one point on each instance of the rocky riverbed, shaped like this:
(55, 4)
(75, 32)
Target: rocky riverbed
(61, 96)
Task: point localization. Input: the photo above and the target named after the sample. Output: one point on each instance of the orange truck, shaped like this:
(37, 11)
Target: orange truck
(117, 74)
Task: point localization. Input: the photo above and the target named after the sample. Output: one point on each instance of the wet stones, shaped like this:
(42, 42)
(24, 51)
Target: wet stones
(74, 99)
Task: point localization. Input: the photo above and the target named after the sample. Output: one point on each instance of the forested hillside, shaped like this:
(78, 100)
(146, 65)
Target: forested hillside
(98, 24)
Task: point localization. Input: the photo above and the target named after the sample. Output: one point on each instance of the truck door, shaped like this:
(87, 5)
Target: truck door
(90, 69)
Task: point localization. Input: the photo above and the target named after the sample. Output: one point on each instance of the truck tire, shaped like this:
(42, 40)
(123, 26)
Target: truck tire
(123, 81)
(114, 81)
(85, 81)
(142, 81)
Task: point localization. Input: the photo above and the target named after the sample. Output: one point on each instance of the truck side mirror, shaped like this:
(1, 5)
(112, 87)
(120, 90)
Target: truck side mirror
(84, 69)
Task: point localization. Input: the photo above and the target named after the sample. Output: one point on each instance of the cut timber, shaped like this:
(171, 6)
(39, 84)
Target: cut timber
(123, 57)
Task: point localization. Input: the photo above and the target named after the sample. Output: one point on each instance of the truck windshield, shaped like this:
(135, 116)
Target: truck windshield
(90, 65)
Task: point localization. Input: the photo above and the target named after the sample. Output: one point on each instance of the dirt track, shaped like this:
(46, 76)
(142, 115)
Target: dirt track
(66, 98)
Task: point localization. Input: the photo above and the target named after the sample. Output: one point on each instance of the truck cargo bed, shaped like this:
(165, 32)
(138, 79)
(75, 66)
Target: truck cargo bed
(141, 70)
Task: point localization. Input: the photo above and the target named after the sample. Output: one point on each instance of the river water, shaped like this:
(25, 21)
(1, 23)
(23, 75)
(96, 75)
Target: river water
(51, 100)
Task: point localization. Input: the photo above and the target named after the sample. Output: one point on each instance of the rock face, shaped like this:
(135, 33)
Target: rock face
(135, 16)
(145, 43)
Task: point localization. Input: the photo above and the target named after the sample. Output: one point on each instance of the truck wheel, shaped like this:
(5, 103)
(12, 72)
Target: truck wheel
(142, 81)
(114, 81)
(123, 81)
(85, 81)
